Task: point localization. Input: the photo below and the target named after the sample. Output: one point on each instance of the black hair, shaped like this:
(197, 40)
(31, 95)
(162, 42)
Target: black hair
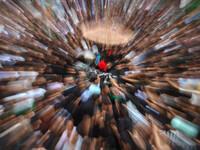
(126, 138)
(111, 143)
(71, 97)
(69, 75)
(123, 111)
(109, 117)
(93, 78)
(34, 119)
(102, 85)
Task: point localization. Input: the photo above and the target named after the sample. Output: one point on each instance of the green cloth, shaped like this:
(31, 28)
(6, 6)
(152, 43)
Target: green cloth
(113, 98)
(191, 6)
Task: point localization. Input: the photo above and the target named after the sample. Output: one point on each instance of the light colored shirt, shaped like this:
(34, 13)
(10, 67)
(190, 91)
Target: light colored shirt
(79, 143)
(94, 89)
(85, 96)
(67, 145)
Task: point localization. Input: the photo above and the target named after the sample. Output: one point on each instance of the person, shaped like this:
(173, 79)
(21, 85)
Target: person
(87, 108)
(105, 89)
(115, 95)
(66, 102)
(77, 89)
(68, 80)
(95, 86)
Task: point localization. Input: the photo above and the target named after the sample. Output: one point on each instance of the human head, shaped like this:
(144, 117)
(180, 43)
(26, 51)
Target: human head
(36, 122)
(95, 79)
(109, 65)
(81, 84)
(81, 74)
(68, 80)
(69, 125)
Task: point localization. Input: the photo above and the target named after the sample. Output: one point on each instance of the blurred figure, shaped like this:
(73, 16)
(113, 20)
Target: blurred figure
(95, 86)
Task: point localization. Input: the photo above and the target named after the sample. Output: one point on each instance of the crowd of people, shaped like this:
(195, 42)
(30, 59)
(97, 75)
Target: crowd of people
(101, 112)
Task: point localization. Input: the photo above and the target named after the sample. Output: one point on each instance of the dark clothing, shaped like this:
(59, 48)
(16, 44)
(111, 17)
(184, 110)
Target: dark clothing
(66, 102)
(106, 131)
(112, 143)
(58, 70)
(161, 118)
(73, 90)
(47, 144)
(86, 108)
(94, 131)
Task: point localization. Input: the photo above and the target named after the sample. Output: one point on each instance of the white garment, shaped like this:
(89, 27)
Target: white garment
(88, 55)
(67, 144)
(16, 97)
(54, 85)
(74, 17)
(8, 74)
(195, 99)
(79, 143)
(94, 49)
(85, 47)
(36, 93)
(131, 72)
(61, 141)
(1, 28)
(130, 55)
(184, 3)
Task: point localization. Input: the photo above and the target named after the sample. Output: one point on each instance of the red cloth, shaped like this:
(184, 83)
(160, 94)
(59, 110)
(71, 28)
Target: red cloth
(111, 50)
(102, 65)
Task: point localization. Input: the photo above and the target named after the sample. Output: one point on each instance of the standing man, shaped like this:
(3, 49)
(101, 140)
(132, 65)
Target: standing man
(95, 86)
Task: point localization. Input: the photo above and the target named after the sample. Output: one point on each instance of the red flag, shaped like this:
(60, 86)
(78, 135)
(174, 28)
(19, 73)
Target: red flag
(111, 50)
(102, 65)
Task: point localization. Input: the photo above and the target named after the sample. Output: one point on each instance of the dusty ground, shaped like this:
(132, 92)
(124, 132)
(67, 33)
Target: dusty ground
(110, 34)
